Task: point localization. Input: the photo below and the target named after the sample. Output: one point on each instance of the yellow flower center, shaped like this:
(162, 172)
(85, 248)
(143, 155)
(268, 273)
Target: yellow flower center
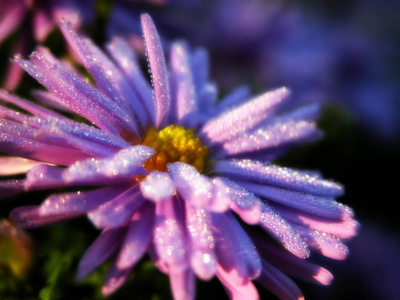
(174, 143)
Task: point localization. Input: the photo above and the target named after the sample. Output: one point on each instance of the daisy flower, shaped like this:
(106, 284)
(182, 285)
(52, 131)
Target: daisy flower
(166, 169)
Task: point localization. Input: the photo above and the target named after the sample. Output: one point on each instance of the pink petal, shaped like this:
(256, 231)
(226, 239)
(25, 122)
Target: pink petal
(15, 165)
(183, 284)
(245, 291)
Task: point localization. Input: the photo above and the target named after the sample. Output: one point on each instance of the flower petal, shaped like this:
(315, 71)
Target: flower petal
(106, 244)
(15, 165)
(158, 68)
(245, 291)
(244, 117)
(119, 210)
(235, 250)
(157, 186)
(183, 284)
(184, 93)
(202, 255)
(266, 173)
(191, 185)
(138, 237)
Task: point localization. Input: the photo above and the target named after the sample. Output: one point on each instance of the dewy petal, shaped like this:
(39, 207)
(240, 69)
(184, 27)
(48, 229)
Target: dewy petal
(283, 232)
(79, 95)
(235, 250)
(125, 57)
(191, 185)
(137, 238)
(11, 187)
(15, 165)
(108, 77)
(169, 235)
(324, 243)
(244, 117)
(78, 202)
(308, 203)
(221, 198)
(158, 68)
(119, 210)
(157, 186)
(184, 93)
(270, 136)
(244, 203)
(123, 164)
(266, 173)
(107, 242)
(278, 283)
(245, 291)
(202, 255)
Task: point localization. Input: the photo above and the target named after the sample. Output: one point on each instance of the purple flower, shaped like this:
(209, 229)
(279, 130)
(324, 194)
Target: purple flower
(173, 172)
(40, 17)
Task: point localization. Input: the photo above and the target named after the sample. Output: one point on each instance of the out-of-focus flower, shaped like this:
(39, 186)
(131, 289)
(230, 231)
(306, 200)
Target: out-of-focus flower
(270, 43)
(36, 19)
(173, 172)
(15, 249)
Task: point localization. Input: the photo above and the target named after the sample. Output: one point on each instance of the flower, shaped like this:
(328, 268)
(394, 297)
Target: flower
(169, 171)
(42, 16)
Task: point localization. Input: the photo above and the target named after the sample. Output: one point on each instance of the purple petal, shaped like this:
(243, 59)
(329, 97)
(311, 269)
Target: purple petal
(28, 105)
(191, 185)
(202, 255)
(115, 278)
(42, 23)
(77, 94)
(118, 211)
(108, 77)
(236, 291)
(234, 249)
(169, 235)
(138, 237)
(278, 283)
(184, 94)
(106, 244)
(29, 217)
(314, 205)
(158, 68)
(78, 202)
(266, 173)
(125, 163)
(11, 187)
(243, 117)
(283, 232)
(124, 56)
(157, 186)
(269, 136)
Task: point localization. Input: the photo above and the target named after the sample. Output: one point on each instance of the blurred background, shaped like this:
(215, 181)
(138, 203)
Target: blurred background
(343, 54)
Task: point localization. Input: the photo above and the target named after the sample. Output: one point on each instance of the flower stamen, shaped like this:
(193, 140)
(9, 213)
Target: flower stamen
(174, 143)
